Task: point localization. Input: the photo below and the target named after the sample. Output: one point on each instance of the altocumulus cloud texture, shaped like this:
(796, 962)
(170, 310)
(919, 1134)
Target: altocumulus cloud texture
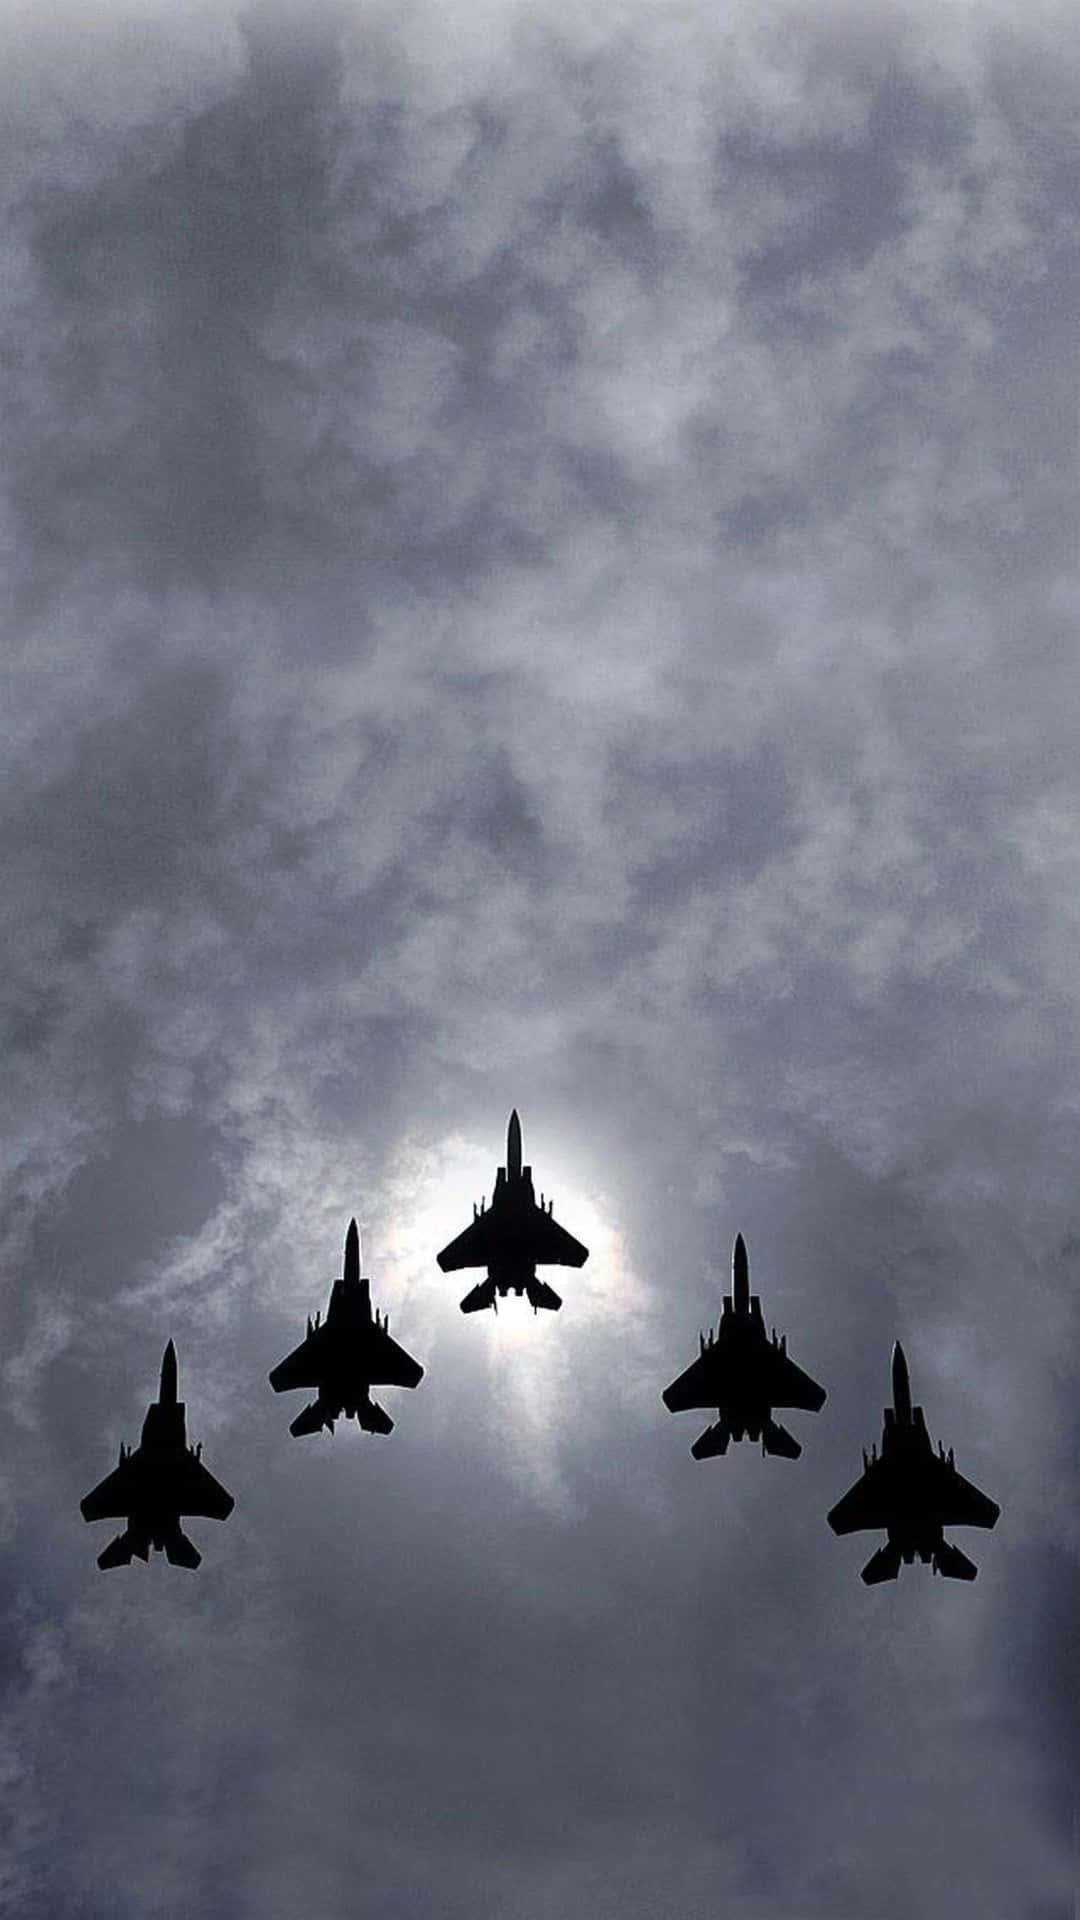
(539, 552)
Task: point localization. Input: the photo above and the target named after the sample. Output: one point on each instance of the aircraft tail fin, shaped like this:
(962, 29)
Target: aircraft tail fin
(777, 1439)
(180, 1551)
(954, 1564)
(311, 1420)
(539, 1294)
(118, 1552)
(482, 1295)
(883, 1565)
(713, 1442)
(374, 1419)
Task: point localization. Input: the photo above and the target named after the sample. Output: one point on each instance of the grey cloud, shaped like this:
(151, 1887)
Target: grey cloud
(541, 575)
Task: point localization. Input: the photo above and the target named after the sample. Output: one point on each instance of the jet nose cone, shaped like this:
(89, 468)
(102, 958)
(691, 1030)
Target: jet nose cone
(352, 1252)
(901, 1384)
(167, 1389)
(513, 1145)
(740, 1276)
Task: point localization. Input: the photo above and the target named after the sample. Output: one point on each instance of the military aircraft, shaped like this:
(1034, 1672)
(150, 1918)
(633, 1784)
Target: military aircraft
(157, 1484)
(744, 1374)
(913, 1492)
(512, 1237)
(345, 1355)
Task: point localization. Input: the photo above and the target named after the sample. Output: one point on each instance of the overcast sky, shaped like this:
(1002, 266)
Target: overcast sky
(540, 569)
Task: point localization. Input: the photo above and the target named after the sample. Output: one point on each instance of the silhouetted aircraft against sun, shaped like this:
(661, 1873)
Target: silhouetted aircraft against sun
(345, 1355)
(512, 1237)
(913, 1492)
(743, 1374)
(157, 1484)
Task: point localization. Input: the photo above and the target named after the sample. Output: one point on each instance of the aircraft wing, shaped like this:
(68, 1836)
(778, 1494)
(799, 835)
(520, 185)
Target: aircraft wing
(550, 1245)
(869, 1503)
(198, 1493)
(958, 1502)
(476, 1247)
(113, 1497)
(789, 1386)
(304, 1366)
(387, 1364)
(694, 1388)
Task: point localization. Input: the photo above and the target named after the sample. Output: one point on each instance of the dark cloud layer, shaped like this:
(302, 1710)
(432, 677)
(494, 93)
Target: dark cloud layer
(540, 570)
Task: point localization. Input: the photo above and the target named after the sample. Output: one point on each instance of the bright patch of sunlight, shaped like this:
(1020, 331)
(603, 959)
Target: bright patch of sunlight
(532, 1409)
(429, 1200)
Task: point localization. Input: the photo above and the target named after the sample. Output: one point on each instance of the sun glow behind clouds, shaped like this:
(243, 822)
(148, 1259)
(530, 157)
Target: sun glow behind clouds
(430, 1195)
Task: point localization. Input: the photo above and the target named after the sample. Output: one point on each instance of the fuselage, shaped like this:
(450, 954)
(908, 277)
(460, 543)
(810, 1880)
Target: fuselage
(345, 1386)
(914, 1527)
(741, 1345)
(157, 1463)
(513, 1205)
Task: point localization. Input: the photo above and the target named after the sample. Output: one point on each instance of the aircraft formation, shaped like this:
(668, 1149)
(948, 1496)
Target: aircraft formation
(909, 1491)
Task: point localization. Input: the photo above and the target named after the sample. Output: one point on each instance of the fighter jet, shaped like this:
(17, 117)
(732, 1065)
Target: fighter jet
(513, 1237)
(744, 1374)
(345, 1355)
(913, 1492)
(155, 1485)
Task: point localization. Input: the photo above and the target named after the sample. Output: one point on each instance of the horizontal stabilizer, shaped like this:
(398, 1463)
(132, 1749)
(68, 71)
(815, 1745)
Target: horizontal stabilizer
(311, 1420)
(713, 1442)
(482, 1295)
(954, 1564)
(117, 1553)
(375, 1419)
(539, 1294)
(180, 1551)
(883, 1565)
(777, 1439)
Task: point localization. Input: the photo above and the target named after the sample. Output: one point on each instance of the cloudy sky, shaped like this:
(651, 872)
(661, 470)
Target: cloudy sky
(540, 568)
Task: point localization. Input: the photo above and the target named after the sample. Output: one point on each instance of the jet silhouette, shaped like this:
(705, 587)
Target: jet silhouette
(743, 1374)
(512, 1237)
(345, 1355)
(913, 1492)
(155, 1485)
